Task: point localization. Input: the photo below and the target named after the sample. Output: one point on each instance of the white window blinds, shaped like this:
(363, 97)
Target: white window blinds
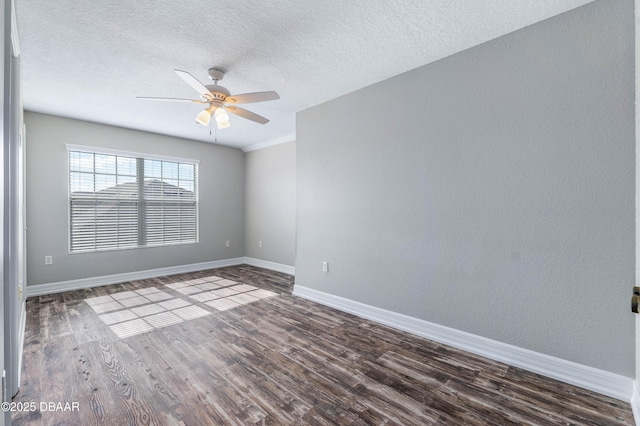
(119, 201)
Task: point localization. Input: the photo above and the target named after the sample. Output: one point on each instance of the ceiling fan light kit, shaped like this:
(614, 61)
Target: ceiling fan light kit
(204, 116)
(219, 100)
(222, 118)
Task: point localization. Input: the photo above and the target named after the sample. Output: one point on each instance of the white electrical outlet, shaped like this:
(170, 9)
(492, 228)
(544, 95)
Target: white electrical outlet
(259, 243)
(48, 260)
(227, 244)
(325, 266)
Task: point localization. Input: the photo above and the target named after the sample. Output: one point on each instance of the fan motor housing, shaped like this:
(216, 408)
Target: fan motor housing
(218, 93)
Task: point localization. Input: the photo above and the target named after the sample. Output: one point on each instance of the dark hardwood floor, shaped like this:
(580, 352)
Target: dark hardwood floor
(232, 346)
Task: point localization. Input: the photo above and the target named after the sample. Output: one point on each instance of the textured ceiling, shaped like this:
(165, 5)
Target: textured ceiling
(90, 59)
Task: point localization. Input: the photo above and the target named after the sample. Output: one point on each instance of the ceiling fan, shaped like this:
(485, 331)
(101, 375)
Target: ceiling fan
(219, 100)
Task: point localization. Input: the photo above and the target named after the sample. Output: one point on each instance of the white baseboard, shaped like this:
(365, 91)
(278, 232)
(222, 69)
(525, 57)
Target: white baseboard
(635, 403)
(603, 382)
(278, 267)
(60, 286)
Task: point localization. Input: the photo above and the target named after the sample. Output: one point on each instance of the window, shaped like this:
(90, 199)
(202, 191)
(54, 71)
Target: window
(127, 200)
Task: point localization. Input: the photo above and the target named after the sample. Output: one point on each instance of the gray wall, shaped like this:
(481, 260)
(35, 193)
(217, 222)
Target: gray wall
(221, 195)
(491, 191)
(270, 201)
(637, 210)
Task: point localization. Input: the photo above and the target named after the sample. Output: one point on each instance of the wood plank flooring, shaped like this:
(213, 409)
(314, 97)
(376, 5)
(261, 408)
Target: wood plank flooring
(266, 358)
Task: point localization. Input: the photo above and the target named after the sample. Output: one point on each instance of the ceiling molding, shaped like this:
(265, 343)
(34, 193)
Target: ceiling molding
(291, 137)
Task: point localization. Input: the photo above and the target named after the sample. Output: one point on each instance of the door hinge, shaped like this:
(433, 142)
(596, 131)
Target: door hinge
(635, 300)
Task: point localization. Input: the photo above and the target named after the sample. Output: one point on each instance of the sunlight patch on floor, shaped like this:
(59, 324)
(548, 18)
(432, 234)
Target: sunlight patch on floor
(133, 312)
(218, 293)
(148, 309)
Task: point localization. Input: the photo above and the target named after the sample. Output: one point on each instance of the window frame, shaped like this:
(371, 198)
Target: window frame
(140, 201)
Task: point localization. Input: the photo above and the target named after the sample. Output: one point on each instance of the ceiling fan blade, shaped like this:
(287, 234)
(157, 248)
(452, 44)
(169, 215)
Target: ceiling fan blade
(246, 114)
(151, 98)
(247, 98)
(193, 82)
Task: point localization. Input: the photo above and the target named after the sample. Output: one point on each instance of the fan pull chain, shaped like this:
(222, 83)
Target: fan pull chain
(215, 140)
